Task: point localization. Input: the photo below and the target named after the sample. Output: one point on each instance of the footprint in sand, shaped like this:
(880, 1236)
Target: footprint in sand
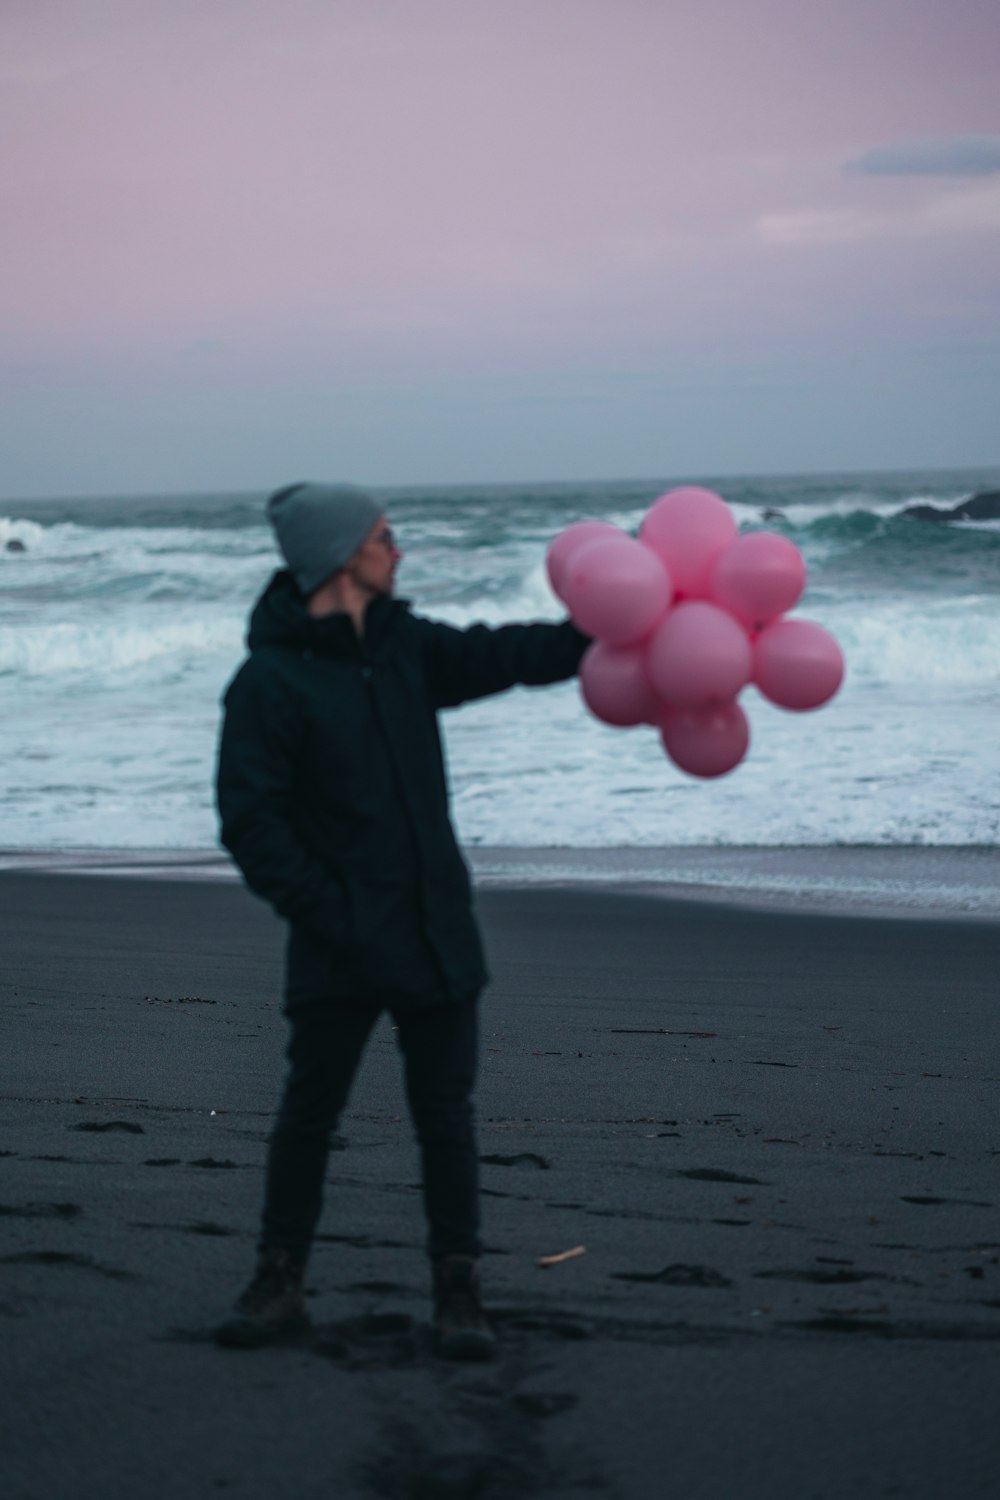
(716, 1174)
(62, 1258)
(40, 1210)
(677, 1275)
(520, 1159)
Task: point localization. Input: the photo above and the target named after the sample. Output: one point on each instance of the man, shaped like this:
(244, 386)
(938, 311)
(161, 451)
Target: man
(334, 804)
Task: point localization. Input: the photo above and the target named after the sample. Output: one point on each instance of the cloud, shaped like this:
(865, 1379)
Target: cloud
(955, 211)
(818, 226)
(959, 213)
(946, 156)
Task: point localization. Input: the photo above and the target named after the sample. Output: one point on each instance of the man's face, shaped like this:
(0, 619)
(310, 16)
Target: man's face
(373, 566)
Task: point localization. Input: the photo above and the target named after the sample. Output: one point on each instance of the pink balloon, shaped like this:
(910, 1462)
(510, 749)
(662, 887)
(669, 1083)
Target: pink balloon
(615, 687)
(797, 664)
(759, 577)
(689, 529)
(706, 741)
(616, 589)
(698, 656)
(562, 547)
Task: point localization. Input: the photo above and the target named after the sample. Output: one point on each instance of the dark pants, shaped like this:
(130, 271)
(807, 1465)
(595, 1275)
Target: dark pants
(439, 1047)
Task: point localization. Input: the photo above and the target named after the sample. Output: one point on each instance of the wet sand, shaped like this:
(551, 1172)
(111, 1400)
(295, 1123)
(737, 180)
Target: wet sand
(775, 1134)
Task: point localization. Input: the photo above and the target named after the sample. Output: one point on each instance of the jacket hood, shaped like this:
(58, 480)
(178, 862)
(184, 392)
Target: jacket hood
(280, 618)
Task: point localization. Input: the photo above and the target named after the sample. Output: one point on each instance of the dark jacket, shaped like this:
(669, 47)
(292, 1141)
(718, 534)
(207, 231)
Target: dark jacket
(333, 796)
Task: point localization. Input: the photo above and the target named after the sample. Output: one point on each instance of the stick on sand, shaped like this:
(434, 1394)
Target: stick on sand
(554, 1260)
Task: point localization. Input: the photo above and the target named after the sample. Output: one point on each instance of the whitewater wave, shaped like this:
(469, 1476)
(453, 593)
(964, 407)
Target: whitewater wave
(122, 621)
(101, 651)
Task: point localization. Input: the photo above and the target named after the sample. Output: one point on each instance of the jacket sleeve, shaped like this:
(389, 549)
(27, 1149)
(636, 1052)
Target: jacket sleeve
(460, 665)
(255, 778)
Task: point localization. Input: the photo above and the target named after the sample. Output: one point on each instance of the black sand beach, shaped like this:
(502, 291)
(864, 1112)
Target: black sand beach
(775, 1134)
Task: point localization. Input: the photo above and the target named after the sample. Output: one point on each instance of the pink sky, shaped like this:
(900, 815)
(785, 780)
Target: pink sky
(267, 236)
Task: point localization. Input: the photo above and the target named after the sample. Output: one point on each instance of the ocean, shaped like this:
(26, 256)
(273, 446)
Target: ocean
(123, 618)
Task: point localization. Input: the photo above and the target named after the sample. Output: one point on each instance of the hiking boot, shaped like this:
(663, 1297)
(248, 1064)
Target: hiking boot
(460, 1325)
(271, 1308)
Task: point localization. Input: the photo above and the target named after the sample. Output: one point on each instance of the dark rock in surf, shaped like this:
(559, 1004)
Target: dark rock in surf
(926, 513)
(14, 545)
(984, 507)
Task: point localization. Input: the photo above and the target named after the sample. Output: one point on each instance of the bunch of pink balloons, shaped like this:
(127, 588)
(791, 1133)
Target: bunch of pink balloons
(684, 618)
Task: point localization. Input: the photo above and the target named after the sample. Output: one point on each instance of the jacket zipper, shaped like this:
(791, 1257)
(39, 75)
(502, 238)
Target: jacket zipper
(368, 677)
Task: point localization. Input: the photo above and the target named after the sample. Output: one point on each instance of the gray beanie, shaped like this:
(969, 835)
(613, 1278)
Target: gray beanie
(319, 526)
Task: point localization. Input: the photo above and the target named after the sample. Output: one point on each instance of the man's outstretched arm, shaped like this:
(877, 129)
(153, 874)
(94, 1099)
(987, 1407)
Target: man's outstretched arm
(464, 664)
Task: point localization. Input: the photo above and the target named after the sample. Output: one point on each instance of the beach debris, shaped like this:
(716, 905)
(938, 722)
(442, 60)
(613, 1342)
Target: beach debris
(546, 1262)
(678, 1274)
(129, 1126)
(210, 1161)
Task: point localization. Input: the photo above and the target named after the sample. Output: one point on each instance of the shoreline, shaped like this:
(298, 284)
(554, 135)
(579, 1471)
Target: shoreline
(773, 1134)
(960, 881)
